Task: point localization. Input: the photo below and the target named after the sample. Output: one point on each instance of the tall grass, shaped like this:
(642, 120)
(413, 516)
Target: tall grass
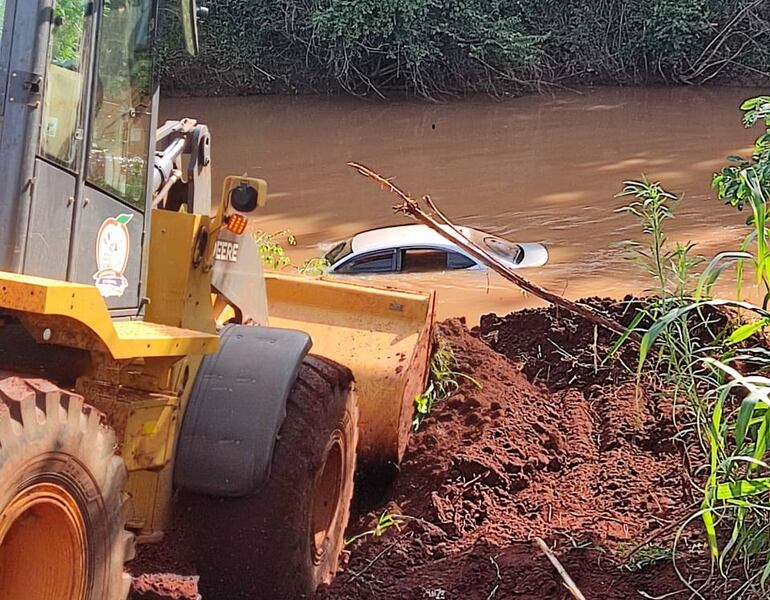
(672, 268)
(727, 409)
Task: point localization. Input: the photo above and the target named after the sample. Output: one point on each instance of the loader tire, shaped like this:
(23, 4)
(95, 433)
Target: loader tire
(62, 533)
(284, 540)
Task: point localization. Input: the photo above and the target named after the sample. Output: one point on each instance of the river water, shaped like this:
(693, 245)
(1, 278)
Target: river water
(537, 168)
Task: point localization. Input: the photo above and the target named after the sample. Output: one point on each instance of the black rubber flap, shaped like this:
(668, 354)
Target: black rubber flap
(236, 408)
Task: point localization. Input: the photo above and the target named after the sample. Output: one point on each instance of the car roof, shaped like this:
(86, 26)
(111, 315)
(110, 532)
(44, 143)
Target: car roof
(402, 236)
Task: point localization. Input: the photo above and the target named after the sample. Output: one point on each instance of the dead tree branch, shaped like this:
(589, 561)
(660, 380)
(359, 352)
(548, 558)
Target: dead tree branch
(568, 583)
(411, 207)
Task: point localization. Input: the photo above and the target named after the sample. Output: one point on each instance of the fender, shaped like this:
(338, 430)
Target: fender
(236, 408)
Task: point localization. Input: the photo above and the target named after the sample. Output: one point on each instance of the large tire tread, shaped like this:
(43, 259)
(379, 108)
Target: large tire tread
(48, 433)
(258, 547)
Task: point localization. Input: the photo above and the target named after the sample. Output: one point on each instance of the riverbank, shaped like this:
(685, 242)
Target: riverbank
(435, 50)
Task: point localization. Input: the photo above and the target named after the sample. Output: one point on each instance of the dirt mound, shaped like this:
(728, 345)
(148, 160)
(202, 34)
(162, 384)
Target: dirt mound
(590, 468)
(560, 350)
(563, 351)
(554, 445)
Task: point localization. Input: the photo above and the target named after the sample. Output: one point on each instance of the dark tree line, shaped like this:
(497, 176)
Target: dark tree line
(434, 47)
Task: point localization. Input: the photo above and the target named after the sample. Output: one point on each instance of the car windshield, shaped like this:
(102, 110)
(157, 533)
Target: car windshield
(339, 251)
(504, 249)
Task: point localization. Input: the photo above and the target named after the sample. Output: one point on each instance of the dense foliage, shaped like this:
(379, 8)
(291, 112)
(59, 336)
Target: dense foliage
(430, 47)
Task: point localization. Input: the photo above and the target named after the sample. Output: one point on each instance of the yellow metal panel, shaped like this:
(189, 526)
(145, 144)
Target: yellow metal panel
(144, 422)
(383, 336)
(150, 433)
(59, 307)
(178, 281)
(141, 488)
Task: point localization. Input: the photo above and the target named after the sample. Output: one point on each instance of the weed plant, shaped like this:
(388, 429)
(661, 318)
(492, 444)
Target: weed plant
(726, 412)
(385, 521)
(314, 267)
(272, 251)
(443, 382)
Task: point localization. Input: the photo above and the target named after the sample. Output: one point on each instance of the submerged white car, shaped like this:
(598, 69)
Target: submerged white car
(418, 248)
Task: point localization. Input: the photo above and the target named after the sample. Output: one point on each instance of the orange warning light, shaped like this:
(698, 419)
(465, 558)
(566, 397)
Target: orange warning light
(237, 224)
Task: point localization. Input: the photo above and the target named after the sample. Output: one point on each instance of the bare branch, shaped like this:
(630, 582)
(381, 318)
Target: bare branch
(447, 229)
(568, 582)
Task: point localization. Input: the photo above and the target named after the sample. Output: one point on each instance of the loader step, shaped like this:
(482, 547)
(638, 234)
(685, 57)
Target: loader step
(56, 304)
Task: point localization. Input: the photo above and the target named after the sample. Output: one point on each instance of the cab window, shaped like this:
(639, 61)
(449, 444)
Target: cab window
(2, 18)
(375, 262)
(120, 137)
(60, 131)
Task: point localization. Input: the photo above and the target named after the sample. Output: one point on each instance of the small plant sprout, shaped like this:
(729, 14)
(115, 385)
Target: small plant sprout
(314, 267)
(384, 522)
(646, 557)
(443, 382)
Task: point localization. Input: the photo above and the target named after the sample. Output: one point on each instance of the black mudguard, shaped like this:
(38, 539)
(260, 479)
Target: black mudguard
(236, 408)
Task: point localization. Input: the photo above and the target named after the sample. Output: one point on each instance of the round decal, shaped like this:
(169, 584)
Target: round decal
(112, 249)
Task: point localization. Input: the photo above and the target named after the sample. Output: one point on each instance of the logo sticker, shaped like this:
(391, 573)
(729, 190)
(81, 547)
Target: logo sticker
(112, 249)
(227, 251)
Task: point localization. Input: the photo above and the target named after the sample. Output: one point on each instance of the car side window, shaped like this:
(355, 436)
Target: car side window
(455, 260)
(420, 260)
(375, 262)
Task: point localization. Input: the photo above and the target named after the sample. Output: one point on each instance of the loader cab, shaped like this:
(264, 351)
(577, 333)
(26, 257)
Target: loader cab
(77, 121)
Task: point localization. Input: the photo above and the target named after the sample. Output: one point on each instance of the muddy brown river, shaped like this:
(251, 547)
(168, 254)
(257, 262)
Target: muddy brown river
(538, 168)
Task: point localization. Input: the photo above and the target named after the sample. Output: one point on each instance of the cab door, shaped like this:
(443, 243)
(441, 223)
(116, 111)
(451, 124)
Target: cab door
(87, 214)
(110, 223)
(60, 145)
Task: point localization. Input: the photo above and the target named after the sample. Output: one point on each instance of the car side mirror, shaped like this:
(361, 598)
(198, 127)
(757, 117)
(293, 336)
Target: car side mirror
(190, 12)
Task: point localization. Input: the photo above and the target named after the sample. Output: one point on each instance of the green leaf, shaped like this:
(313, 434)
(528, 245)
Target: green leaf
(711, 532)
(624, 336)
(746, 331)
(742, 488)
(765, 575)
(123, 218)
(751, 103)
(744, 417)
(714, 269)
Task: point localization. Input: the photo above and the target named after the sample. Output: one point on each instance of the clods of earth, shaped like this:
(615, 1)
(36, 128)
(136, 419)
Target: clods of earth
(555, 445)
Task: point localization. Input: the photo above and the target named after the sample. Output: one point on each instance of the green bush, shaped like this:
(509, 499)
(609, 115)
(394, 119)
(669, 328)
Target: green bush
(435, 47)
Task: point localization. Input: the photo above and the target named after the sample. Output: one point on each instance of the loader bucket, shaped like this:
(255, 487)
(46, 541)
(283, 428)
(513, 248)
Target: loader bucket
(382, 335)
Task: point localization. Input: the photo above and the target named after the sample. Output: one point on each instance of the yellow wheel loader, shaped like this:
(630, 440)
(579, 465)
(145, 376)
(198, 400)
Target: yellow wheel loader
(146, 361)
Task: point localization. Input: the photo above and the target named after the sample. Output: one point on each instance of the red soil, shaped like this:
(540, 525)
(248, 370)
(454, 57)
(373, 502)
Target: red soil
(165, 587)
(553, 445)
(573, 457)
